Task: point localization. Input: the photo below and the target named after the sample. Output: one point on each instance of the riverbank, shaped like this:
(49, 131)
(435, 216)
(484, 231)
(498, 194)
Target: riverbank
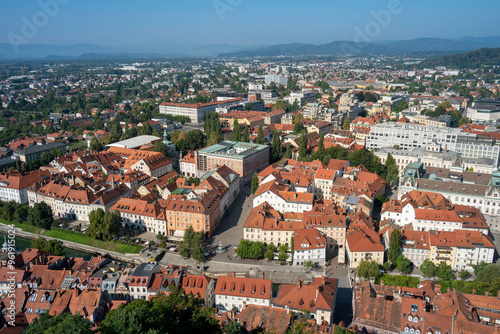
(79, 238)
(127, 257)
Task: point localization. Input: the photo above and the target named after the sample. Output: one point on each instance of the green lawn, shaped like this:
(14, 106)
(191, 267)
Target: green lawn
(80, 238)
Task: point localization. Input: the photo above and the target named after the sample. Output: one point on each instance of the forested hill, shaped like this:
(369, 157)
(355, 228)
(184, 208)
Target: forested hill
(473, 59)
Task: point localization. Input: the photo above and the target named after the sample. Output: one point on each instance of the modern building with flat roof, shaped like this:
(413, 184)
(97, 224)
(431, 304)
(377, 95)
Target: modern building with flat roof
(135, 142)
(195, 111)
(243, 158)
(35, 152)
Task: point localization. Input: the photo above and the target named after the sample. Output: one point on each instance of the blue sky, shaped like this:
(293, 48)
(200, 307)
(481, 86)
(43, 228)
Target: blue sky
(126, 23)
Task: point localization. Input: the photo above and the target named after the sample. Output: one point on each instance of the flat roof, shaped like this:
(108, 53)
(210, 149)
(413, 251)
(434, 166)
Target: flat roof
(135, 142)
(40, 148)
(234, 149)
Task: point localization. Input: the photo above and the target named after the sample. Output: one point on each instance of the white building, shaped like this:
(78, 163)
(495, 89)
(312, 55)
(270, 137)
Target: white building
(309, 245)
(302, 98)
(481, 191)
(14, 186)
(283, 200)
(472, 248)
(233, 293)
(196, 111)
(276, 78)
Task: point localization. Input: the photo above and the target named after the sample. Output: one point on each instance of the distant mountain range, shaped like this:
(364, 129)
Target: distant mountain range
(342, 48)
(474, 59)
(92, 51)
(335, 48)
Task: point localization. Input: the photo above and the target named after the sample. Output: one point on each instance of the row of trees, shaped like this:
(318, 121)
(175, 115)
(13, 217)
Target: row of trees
(250, 249)
(52, 246)
(190, 140)
(40, 215)
(271, 250)
(213, 128)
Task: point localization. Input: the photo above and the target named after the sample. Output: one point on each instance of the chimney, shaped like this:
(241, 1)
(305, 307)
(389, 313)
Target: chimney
(244, 305)
(234, 273)
(262, 275)
(486, 293)
(300, 284)
(474, 292)
(318, 290)
(448, 289)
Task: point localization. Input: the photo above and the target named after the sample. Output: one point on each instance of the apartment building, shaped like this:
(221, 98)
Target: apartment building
(14, 186)
(245, 159)
(282, 199)
(309, 245)
(196, 111)
(432, 155)
(479, 190)
(428, 211)
(235, 293)
(73, 202)
(316, 300)
(363, 244)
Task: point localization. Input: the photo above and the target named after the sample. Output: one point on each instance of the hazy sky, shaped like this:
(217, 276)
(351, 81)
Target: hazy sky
(127, 23)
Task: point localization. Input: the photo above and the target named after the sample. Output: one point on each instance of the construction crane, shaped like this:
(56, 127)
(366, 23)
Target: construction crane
(22, 69)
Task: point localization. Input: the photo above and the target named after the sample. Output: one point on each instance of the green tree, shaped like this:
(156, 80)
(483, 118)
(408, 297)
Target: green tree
(255, 183)
(276, 151)
(394, 246)
(179, 314)
(243, 249)
(195, 139)
(403, 264)
(95, 145)
(40, 215)
(347, 124)
(402, 105)
(298, 127)
(464, 274)
(213, 139)
(271, 249)
(303, 147)
(392, 172)
(288, 153)
(368, 269)
(256, 249)
(269, 255)
(21, 213)
(321, 145)
(161, 147)
(428, 268)
(260, 135)
(52, 246)
(488, 272)
(246, 135)
(62, 324)
(98, 124)
(444, 271)
(236, 130)
(282, 255)
(309, 265)
(96, 220)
